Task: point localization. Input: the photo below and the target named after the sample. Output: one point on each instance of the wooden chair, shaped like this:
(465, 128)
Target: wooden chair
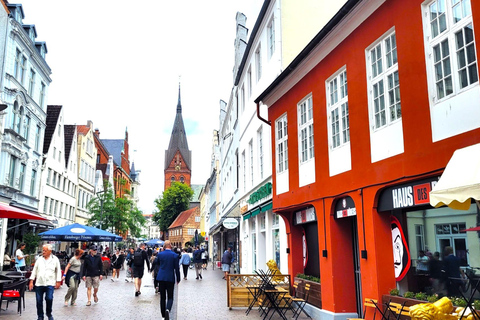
(369, 303)
(15, 292)
(299, 302)
(399, 310)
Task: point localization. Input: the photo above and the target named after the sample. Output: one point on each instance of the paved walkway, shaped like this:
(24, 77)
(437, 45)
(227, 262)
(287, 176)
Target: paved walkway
(194, 299)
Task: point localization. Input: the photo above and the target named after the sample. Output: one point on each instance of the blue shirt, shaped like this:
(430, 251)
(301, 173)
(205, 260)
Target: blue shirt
(185, 259)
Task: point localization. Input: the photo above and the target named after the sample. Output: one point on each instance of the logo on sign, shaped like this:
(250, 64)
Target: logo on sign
(411, 195)
(230, 223)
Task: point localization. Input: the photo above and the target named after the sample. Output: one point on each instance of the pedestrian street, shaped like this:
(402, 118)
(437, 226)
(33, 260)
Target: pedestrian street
(194, 299)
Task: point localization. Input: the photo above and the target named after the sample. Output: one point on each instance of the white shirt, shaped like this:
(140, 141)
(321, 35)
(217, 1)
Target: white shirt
(20, 262)
(47, 271)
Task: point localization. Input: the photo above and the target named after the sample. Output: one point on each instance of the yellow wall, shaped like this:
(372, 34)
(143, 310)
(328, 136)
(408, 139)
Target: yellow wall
(310, 16)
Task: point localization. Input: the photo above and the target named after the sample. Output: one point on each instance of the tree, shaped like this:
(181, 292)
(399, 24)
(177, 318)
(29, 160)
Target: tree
(173, 201)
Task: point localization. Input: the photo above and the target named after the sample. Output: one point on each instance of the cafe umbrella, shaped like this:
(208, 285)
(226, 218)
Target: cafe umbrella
(154, 242)
(79, 232)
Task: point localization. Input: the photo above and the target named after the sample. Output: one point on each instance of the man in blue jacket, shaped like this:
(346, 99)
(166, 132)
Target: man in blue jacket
(168, 272)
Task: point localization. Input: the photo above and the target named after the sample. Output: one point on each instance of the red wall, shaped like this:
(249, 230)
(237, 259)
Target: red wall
(420, 155)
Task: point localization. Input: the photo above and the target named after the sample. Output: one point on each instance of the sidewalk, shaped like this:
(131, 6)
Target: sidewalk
(194, 299)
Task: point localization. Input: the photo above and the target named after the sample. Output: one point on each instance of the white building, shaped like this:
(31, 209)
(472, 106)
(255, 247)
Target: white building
(24, 82)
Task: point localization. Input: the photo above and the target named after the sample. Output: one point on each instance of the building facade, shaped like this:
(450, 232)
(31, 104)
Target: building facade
(183, 228)
(364, 121)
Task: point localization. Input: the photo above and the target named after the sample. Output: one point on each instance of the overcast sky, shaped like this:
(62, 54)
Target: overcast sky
(118, 63)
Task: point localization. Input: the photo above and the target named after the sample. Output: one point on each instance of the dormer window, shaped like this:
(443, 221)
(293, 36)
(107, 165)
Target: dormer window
(32, 34)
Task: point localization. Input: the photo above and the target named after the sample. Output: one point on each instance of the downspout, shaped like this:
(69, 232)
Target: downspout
(260, 117)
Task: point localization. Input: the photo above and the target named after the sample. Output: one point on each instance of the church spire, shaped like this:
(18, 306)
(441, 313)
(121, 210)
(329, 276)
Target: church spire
(179, 105)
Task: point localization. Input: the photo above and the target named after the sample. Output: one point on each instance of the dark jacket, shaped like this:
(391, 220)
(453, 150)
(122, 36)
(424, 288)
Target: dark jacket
(169, 268)
(144, 259)
(92, 266)
(197, 256)
(227, 257)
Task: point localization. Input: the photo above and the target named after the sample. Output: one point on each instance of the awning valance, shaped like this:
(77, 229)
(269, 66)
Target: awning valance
(11, 212)
(460, 182)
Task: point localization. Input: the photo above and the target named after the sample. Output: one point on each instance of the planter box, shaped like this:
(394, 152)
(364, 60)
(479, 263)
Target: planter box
(315, 295)
(408, 302)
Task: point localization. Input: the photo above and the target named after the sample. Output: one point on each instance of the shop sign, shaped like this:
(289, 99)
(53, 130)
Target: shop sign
(243, 209)
(262, 192)
(305, 216)
(230, 223)
(345, 207)
(406, 195)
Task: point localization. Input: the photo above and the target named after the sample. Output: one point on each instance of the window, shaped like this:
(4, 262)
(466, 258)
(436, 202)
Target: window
(305, 129)
(17, 67)
(38, 135)
(49, 175)
(23, 69)
(54, 181)
(17, 117)
(197, 219)
(338, 109)
(52, 202)
(451, 45)
(244, 167)
(250, 149)
(26, 127)
(258, 62)
(271, 38)
(242, 97)
(384, 86)
(31, 84)
(282, 143)
(21, 177)
(45, 205)
(172, 179)
(260, 151)
(11, 175)
(191, 232)
(54, 152)
(33, 180)
(249, 82)
(41, 98)
(182, 179)
(419, 237)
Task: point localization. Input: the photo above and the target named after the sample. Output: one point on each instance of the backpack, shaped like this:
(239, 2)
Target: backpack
(138, 258)
(198, 256)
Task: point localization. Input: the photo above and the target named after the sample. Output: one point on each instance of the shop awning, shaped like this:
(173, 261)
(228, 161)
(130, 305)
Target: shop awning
(460, 182)
(43, 224)
(257, 210)
(10, 212)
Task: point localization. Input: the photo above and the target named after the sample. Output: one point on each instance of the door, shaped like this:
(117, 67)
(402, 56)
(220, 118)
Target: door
(356, 267)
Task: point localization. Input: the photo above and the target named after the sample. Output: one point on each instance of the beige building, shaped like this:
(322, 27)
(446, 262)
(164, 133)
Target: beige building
(183, 228)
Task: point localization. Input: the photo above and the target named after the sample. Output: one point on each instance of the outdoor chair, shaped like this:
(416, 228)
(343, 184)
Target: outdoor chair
(14, 292)
(299, 302)
(106, 268)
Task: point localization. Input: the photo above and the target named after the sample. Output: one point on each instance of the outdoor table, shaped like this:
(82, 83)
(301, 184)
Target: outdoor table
(254, 291)
(275, 297)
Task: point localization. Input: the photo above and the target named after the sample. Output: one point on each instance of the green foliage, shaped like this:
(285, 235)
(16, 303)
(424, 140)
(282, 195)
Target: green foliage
(432, 298)
(476, 304)
(117, 215)
(421, 296)
(200, 240)
(395, 292)
(459, 302)
(307, 277)
(31, 241)
(173, 201)
(409, 295)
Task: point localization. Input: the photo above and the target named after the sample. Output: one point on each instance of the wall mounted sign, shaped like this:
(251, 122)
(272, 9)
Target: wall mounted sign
(413, 194)
(262, 192)
(230, 223)
(345, 207)
(305, 216)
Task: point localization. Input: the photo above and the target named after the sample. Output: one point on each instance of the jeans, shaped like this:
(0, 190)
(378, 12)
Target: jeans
(185, 270)
(40, 291)
(166, 290)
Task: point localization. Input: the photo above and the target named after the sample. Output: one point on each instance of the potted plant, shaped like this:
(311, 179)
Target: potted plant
(315, 294)
(31, 241)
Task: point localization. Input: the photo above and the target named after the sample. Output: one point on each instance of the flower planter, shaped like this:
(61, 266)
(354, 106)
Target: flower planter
(397, 299)
(315, 295)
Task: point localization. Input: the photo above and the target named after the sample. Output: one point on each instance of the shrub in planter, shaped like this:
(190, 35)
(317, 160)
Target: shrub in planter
(421, 296)
(395, 292)
(432, 298)
(409, 295)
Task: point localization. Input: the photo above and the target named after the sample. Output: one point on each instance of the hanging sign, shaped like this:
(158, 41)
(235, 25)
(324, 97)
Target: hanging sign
(230, 223)
(305, 216)
(345, 207)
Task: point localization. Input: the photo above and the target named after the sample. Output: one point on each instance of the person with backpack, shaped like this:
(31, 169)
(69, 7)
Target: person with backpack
(197, 259)
(138, 266)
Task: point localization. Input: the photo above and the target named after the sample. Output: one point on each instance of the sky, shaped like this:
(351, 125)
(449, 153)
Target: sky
(118, 63)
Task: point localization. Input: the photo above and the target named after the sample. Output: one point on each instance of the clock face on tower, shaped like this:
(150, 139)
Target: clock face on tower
(177, 167)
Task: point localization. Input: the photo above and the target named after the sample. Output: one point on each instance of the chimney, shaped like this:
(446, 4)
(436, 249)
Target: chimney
(97, 133)
(90, 124)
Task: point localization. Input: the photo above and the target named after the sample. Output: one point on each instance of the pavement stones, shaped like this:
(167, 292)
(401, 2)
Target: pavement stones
(194, 299)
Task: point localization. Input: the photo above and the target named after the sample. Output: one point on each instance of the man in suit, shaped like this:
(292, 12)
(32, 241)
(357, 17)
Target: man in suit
(168, 272)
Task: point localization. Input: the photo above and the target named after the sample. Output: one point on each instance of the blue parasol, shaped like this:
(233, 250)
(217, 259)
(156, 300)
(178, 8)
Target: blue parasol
(153, 242)
(79, 232)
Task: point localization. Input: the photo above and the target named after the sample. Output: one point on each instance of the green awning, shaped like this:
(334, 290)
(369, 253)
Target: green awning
(267, 207)
(247, 216)
(255, 212)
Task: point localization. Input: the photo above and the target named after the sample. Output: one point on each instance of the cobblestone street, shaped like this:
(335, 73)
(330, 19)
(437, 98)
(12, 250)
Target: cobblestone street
(194, 299)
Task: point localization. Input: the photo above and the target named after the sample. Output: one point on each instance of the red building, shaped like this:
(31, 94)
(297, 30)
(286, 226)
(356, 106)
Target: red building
(364, 122)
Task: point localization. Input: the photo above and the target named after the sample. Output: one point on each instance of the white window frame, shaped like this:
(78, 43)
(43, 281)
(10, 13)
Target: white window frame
(258, 62)
(281, 143)
(271, 37)
(384, 83)
(306, 145)
(260, 151)
(337, 109)
(434, 41)
(250, 150)
(249, 81)
(31, 84)
(41, 97)
(244, 165)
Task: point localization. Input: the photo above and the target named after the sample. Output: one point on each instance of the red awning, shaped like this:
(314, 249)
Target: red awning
(472, 229)
(7, 211)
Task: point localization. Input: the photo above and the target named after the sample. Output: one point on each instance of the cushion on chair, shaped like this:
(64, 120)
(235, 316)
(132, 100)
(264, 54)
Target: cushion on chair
(11, 294)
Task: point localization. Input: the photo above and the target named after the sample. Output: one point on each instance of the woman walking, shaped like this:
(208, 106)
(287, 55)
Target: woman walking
(72, 277)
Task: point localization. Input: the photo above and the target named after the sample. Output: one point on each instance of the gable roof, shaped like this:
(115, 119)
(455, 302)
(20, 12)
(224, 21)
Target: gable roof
(53, 112)
(178, 139)
(68, 133)
(182, 217)
(82, 129)
(197, 189)
(115, 148)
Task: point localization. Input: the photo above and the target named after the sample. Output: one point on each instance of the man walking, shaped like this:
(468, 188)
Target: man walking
(197, 259)
(169, 272)
(48, 273)
(185, 262)
(139, 258)
(92, 274)
(227, 261)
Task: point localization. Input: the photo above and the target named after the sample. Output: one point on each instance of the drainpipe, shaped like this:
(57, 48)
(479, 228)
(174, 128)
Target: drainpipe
(260, 117)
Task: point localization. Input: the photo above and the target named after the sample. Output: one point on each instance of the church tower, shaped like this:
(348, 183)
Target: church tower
(178, 165)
